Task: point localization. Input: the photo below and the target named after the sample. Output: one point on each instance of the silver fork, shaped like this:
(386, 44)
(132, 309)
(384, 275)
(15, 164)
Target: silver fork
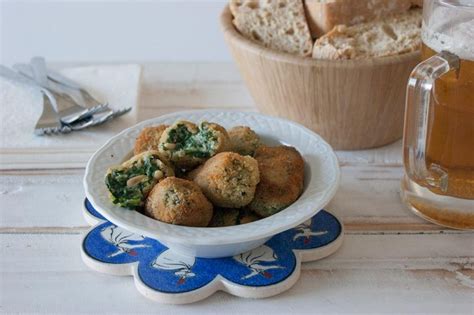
(48, 122)
(88, 99)
(97, 108)
(68, 88)
(67, 108)
(99, 117)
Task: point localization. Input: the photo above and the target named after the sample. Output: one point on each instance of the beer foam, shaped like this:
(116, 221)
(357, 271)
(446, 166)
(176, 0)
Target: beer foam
(457, 37)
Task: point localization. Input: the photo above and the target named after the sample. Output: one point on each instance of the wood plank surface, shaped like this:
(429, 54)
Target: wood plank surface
(174, 87)
(44, 274)
(367, 197)
(391, 261)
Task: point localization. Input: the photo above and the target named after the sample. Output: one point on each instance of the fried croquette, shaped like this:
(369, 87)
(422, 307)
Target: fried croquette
(130, 183)
(224, 217)
(179, 201)
(228, 217)
(187, 145)
(244, 140)
(247, 216)
(148, 139)
(281, 179)
(228, 179)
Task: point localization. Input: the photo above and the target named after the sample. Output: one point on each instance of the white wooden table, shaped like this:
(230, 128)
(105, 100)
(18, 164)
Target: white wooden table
(391, 261)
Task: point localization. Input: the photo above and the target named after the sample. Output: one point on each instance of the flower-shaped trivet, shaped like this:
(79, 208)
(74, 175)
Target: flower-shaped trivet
(168, 277)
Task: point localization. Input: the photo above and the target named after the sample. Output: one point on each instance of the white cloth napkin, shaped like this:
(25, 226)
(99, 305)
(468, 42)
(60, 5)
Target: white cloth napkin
(21, 107)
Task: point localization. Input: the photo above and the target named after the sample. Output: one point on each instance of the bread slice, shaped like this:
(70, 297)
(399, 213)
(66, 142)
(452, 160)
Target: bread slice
(393, 35)
(277, 24)
(323, 15)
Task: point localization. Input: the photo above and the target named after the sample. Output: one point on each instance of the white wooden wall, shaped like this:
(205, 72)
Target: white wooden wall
(111, 30)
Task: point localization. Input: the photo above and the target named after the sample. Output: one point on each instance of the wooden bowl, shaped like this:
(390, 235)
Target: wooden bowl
(352, 104)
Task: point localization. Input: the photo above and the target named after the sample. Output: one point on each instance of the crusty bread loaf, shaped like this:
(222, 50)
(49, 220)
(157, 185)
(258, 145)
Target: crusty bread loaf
(384, 37)
(323, 15)
(277, 24)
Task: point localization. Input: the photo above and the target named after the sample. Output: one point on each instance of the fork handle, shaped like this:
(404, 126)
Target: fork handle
(38, 65)
(56, 77)
(27, 71)
(61, 79)
(13, 76)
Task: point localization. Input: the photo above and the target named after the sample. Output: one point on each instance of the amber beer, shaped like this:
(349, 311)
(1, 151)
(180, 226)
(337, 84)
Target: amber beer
(450, 141)
(438, 136)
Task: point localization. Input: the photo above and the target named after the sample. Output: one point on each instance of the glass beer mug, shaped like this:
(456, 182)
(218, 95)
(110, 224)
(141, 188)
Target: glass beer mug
(438, 140)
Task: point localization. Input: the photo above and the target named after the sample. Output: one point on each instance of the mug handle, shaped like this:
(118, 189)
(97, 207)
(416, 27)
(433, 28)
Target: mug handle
(419, 91)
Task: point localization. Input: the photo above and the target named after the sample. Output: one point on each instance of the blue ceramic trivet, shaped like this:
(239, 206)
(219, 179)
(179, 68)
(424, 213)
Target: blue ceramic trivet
(168, 277)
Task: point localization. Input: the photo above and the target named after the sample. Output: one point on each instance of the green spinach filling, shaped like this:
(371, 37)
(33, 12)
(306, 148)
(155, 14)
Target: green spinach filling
(132, 197)
(200, 145)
